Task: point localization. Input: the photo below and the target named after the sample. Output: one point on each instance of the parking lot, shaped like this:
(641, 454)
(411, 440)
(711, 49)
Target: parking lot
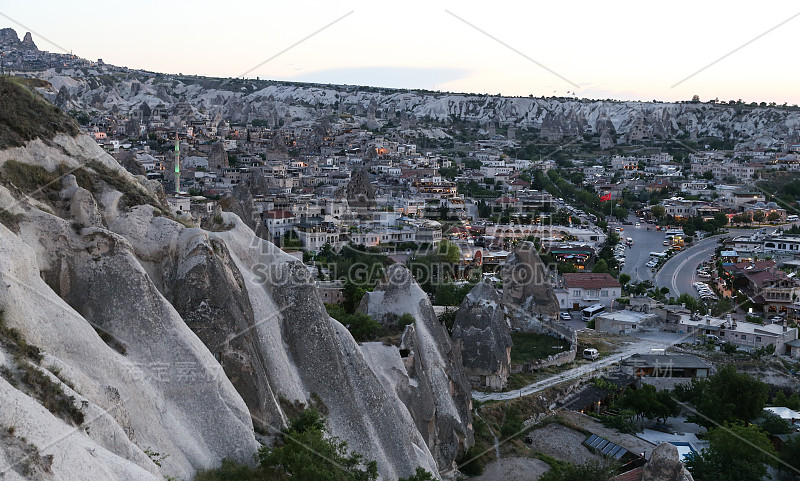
(638, 255)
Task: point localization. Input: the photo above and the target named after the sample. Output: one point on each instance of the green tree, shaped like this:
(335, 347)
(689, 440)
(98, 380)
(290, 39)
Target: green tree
(649, 403)
(658, 211)
(405, 320)
(306, 453)
(624, 279)
(790, 455)
(353, 293)
(727, 396)
(771, 423)
(735, 452)
(449, 252)
(720, 220)
(361, 326)
(600, 267)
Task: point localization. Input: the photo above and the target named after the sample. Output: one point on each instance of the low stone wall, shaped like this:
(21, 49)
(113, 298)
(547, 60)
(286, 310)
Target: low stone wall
(562, 357)
(563, 331)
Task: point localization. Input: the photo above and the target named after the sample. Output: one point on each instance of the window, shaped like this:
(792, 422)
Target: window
(604, 293)
(744, 337)
(576, 293)
(758, 338)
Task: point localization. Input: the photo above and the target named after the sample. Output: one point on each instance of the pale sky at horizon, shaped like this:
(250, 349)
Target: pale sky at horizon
(633, 51)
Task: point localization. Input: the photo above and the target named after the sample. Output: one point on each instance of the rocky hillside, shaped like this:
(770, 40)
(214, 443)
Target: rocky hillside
(123, 91)
(134, 347)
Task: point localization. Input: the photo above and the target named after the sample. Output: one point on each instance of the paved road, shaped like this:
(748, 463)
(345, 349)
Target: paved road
(641, 345)
(679, 272)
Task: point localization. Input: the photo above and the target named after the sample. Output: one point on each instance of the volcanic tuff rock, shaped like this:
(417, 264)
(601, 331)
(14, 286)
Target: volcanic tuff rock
(111, 290)
(360, 192)
(218, 158)
(665, 465)
(27, 42)
(245, 100)
(9, 38)
(480, 326)
(527, 288)
(425, 371)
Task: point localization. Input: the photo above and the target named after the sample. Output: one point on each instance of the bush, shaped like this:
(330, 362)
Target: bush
(361, 326)
(406, 320)
(599, 471)
(12, 340)
(305, 453)
(473, 462)
(11, 221)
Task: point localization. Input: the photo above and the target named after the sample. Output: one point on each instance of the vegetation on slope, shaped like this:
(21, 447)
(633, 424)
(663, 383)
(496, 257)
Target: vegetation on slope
(303, 452)
(28, 377)
(25, 116)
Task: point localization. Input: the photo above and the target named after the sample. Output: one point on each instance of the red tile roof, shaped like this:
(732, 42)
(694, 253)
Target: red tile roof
(279, 214)
(589, 280)
(632, 475)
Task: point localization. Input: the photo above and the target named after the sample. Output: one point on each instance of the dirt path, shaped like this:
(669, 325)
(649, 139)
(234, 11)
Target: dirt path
(627, 441)
(561, 443)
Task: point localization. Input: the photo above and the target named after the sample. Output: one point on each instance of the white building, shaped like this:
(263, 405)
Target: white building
(581, 289)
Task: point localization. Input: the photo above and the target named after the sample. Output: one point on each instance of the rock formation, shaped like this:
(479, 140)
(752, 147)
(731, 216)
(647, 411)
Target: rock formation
(480, 327)
(425, 371)
(27, 42)
(527, 287)
(218, 158)
(665, 465)
(128, 160)
(174, 340)
(241, 203)
(552, 117)
(360, 192)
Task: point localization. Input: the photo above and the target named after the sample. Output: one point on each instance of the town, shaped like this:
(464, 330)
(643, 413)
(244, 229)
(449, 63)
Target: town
(620, 259)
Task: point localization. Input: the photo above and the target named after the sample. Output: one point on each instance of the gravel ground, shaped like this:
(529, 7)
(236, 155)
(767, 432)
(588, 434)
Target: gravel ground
(516, 469)
(561, 443)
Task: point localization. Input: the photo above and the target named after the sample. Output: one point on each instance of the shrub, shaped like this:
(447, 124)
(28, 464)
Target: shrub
(305, 453)
(11, 221)
(406, 320)
(12, 340)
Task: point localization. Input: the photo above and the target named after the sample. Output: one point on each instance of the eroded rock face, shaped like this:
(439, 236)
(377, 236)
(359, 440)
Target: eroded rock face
(360, 192)
(240, 202)
(218, 158)
(165, 393)
(311, 356)
(480, 326)
(433, 385)
(665, 465)
(527, 288)
(171, 303)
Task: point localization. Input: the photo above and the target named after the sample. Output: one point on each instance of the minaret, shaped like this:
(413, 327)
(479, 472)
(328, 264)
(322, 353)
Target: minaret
(177, 165)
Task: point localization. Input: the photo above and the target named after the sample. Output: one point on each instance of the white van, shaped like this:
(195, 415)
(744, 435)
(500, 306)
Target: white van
(591, 354)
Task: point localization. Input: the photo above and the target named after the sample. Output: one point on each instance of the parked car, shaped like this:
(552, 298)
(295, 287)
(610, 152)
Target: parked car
(591, 354)
(566, 316)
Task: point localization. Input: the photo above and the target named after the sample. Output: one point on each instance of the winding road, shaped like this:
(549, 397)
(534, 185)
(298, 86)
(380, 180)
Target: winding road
(678, 273)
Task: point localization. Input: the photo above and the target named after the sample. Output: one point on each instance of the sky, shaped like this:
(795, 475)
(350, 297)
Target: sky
(621, 49)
